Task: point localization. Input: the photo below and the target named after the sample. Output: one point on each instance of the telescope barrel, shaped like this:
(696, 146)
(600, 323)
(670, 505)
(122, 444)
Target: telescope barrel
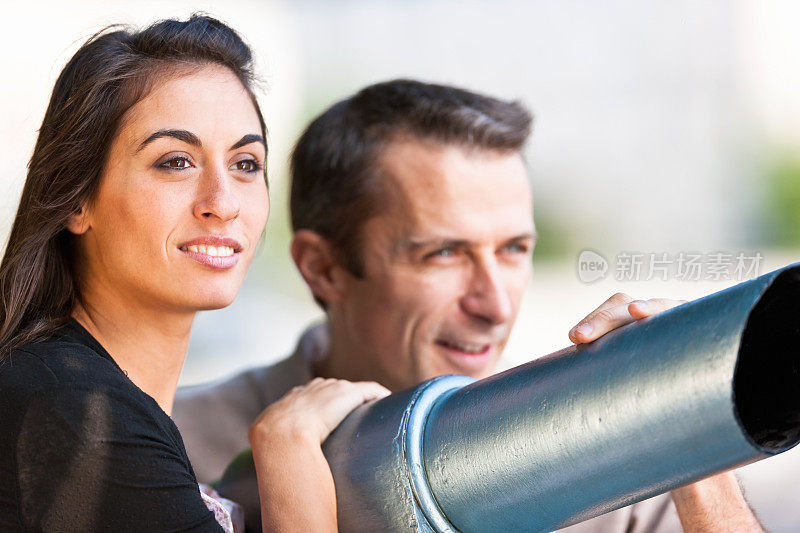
(710, 385)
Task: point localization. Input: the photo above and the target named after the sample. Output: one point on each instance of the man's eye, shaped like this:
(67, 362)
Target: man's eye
(517, 249)
(176, 163)
(247, 165)
(443, 253)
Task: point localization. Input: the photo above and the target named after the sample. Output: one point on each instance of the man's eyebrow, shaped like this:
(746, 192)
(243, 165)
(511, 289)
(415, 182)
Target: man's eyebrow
(247, 139)
(182, 135)
(415, 244)
(533, 236)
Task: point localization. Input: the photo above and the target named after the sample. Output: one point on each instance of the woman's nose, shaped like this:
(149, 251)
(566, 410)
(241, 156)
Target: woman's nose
(216, 198)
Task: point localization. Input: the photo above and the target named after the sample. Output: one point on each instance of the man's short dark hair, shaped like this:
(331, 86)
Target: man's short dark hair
(336, 180)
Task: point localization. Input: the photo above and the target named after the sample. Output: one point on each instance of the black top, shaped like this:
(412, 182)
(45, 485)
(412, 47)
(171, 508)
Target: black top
(83, 449)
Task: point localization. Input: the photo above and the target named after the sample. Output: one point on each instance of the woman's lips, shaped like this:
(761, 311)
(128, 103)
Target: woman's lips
(218, 262)
(213, 251)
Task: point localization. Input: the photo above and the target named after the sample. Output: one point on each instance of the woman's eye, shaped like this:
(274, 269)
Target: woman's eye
(176, 163)
(247, 165)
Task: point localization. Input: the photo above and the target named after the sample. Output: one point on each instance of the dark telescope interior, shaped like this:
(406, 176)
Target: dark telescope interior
(766, 382)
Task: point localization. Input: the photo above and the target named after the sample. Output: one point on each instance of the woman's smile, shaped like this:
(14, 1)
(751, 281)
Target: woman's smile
(213, 251)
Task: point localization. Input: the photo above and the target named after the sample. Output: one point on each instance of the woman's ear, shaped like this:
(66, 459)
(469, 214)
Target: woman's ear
(78, 223)
(315, 258)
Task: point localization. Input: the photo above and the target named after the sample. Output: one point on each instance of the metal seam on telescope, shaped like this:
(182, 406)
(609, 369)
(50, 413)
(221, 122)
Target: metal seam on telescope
(418, 411)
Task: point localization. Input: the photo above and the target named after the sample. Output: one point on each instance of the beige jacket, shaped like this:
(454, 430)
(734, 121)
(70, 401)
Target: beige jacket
(214, 418)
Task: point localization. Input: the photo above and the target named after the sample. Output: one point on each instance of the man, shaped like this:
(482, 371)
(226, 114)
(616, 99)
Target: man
(411, 208)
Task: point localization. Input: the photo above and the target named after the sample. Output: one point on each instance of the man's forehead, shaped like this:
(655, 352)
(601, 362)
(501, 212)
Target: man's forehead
(446, 192)
(416, 167)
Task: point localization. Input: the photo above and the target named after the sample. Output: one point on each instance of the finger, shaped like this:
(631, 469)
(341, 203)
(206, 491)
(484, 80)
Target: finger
(603, 322)
(583, 329)
(371, 390)
(340, 400)
(316, 408)
(356, 393)
(614, 300)
(645, 308)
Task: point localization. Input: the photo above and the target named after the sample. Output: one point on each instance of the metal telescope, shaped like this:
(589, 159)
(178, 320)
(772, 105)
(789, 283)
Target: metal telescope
(708, 386)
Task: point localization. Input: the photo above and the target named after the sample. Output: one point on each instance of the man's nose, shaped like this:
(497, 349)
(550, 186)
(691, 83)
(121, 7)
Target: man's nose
(216, 197)
(487, 297)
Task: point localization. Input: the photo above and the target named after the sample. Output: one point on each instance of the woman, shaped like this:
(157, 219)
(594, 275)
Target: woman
(144, 202)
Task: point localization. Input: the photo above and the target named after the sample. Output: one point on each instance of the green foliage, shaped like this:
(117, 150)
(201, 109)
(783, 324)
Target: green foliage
(554, 240)
(783, 181)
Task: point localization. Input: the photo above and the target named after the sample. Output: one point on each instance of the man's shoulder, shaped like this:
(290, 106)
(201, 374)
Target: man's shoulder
(213, 418)
(232, 403)
(250, 391)
(258, 386)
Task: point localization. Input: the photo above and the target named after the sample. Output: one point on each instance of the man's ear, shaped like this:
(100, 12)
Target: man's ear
(315, 258)
(78, 223)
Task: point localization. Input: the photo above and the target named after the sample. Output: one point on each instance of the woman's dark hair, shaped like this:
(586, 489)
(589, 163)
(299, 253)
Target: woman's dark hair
(112, 71)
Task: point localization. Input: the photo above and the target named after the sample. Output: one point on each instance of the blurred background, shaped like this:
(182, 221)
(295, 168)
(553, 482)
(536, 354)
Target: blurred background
(660, 128)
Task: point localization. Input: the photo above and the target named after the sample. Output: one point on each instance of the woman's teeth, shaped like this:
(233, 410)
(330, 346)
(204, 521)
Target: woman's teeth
(213, 251)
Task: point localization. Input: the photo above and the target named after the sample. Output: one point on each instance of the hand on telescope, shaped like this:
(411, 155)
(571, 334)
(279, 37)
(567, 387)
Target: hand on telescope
(715, 504)
(617, 311)
(712, 504)
(295, 484)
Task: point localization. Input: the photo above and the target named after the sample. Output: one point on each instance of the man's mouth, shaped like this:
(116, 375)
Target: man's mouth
(465, 347)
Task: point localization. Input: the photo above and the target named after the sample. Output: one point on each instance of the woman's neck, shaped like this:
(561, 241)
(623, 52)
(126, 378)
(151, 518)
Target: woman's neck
(149, 346)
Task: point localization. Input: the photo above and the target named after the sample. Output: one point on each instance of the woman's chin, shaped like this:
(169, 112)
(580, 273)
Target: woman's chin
(218, 303)
(208, 301)
(214, 306)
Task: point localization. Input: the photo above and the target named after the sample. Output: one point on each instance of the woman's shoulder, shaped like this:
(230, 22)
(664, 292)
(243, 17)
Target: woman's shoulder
(63, 358)
(70, 372)
(69, 417)
(67, 388)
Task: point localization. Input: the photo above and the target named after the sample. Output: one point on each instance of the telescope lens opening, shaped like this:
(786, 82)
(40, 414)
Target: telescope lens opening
(766, 383)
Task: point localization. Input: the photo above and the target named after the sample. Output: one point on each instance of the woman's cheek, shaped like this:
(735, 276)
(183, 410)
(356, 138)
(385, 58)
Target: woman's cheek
(260, 214)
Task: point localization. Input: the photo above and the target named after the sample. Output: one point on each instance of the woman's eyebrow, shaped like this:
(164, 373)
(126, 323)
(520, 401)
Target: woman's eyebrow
(182, 135)
(190, 138)
(247, 139)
